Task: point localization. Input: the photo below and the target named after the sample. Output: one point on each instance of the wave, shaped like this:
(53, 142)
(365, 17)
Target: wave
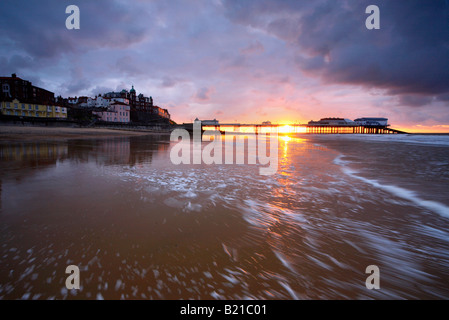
(419, 139)
(403, 193)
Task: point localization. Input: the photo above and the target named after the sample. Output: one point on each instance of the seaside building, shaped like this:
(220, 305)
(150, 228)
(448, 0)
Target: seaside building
(332, 122)
(88, 102)
(16, 88)
(17, 108)
(20, 98)
(378, 122)
(71, 100)
(142, 109)
(79, 101)
(97, 102)
(115, 112)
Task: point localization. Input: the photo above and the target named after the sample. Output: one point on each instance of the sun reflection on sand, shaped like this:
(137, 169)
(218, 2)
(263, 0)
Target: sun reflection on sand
(285, 140)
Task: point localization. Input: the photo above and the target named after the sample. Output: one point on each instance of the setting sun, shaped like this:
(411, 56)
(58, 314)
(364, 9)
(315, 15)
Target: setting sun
(285, 129)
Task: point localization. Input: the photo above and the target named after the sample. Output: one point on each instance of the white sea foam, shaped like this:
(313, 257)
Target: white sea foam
(409, 195)
(230, 278)
(118, 285)
(284, 261)
(289, 290)
(421, 139)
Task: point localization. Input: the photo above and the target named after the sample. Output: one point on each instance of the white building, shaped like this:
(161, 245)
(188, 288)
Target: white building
(115, 112)
(332, 122)
(371, 122)
(72, 100)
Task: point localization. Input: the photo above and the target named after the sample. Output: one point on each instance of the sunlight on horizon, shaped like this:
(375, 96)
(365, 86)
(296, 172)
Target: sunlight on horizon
(285, 129)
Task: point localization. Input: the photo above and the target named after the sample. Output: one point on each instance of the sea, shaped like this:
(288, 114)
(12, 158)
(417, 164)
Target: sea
(138, 226)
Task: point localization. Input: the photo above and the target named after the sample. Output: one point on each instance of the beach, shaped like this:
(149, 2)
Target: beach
(140, 227)
(30, 133)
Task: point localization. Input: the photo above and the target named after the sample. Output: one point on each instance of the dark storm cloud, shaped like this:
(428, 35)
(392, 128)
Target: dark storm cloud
(285, 58)
(77, 85)
(100, 90)
(414, 100)
(38, 27)
(409, 55)
(444, 97)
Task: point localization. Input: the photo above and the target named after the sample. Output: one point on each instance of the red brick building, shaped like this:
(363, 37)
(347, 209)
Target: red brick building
(16, 88)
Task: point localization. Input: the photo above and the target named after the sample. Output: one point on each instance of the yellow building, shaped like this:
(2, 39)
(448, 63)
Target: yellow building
(17, 108)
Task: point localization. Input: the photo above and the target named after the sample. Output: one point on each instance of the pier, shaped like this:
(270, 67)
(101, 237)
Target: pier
(296, 128)
(352, 130)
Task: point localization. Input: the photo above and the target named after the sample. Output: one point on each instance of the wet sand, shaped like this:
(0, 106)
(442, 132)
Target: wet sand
(140, 227)
(21, 133)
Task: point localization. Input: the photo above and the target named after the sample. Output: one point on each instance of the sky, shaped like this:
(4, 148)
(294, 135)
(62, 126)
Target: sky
(284, 61)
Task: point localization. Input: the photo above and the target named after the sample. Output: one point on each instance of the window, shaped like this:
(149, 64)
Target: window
(37, 114)
(37, 107)
(16, 113)
(29, 107)
(23, 106)
(23, 113)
